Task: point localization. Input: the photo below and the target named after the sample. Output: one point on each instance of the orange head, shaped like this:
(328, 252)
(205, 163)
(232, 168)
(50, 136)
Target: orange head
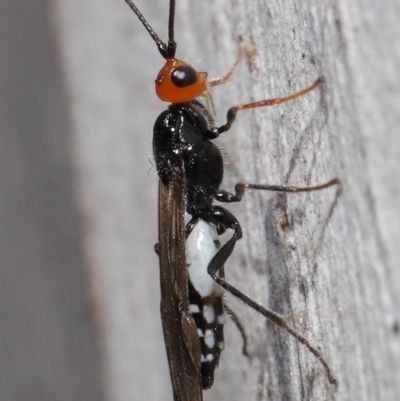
(178, 82)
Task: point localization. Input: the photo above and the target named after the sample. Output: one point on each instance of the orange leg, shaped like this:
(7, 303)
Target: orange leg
(226, 78)
(231, 115)
(243, 42)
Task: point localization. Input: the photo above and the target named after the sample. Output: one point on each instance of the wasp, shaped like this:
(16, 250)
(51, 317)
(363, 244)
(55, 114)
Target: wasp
(190, 169)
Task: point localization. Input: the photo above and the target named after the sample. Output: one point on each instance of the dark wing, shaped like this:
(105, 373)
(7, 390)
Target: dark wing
(180, 334)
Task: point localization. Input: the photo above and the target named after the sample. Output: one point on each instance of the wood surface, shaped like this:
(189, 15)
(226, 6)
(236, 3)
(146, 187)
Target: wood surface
(328, 264)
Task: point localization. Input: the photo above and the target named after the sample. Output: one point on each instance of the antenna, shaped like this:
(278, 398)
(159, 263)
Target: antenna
(171, 22)
(166, 51)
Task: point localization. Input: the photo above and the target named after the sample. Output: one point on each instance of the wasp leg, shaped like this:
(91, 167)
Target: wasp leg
(240, 188)
(232, 112)
(234, 317)
(223, 218)
(227, 77)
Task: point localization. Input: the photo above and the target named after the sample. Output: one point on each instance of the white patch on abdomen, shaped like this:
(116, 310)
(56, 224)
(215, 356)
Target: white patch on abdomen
(200, 249)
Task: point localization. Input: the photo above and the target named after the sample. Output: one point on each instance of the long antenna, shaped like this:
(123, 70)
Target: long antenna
(166, 51)
(171, 23)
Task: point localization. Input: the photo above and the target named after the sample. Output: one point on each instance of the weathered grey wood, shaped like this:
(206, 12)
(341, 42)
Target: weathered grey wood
(332, 270)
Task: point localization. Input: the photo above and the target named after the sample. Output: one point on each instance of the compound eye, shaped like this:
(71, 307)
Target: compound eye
(184, 76)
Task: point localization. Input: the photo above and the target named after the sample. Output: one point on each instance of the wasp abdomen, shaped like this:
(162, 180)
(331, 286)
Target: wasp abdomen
(205, 297)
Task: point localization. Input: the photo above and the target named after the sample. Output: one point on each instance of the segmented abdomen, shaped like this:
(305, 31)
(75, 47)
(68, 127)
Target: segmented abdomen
(205, 297)
(210, 318)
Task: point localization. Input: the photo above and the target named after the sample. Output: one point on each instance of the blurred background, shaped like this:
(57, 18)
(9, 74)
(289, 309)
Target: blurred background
(73, 148)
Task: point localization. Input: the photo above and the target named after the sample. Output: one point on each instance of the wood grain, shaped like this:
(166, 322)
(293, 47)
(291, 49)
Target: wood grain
(330, 268)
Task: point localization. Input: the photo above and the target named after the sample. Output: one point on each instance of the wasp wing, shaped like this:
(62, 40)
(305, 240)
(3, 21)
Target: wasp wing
(180, 333)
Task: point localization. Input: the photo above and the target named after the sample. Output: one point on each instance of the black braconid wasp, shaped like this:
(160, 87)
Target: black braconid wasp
(190, 170)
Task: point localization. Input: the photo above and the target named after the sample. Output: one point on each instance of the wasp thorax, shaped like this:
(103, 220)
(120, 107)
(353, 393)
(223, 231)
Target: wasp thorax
(178, 82)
